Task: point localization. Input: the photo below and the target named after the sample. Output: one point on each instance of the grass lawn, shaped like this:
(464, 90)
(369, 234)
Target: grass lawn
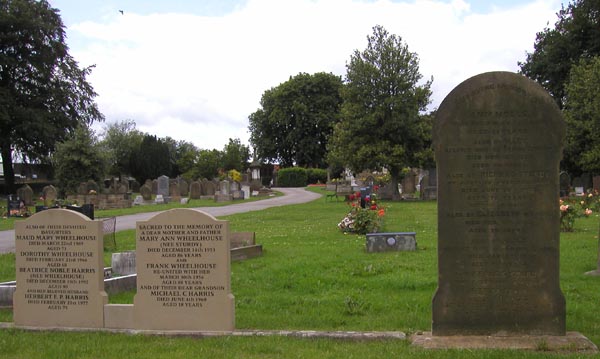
(313, 277)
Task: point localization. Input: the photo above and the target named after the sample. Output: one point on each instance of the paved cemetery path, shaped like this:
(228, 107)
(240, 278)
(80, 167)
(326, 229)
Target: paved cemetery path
(291, 196)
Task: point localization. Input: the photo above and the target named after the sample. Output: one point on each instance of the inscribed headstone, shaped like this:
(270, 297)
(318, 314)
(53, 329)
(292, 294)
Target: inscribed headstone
(25, 193)
(163, 186)
(146, 192)
(498, 223)
(195, 190)
(49, 193)
(60, 272)
(184, 188)
(183, 273)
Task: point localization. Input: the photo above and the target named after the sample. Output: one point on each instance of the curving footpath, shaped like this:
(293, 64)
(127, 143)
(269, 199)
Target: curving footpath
(291, 196)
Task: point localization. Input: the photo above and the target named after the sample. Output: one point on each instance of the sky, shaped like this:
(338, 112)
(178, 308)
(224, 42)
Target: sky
(194, 70)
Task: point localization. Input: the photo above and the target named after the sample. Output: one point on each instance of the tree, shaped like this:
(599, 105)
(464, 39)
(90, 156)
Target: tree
(575, 35)
(151, 159)
(296, 120)
(582, 113)
(381, 126)
(44, 95)
(235, 156)
(120, 140)
(78, 159)
(208, 164)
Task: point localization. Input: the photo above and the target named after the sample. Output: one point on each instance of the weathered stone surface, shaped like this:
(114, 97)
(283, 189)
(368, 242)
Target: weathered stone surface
(146, 192)
(195, 190)
(572, 342)
(388, 242)
(50, 194)
(498, 223)
(183, 267)
(60, 277)
(25, 193)
(163, 186)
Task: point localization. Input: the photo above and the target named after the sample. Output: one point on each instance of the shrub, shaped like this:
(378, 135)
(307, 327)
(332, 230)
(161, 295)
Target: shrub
(316, 175)
(292, 177)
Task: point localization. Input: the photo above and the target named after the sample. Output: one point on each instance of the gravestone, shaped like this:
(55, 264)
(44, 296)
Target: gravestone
(389, 242)
(409, 184)
(163, 186)
(60, 272)
(139, 200)
(596, 181)
(49, 193)
(184, 188)
(209, 188)
(25, 193)
(586, 179)
(224, 194)
(564, 181)
(174, 192)
(246, 191)
(123, 263)
(195, 190)
(146, 192)
(183, 273)
(155, 186)
(498, 223)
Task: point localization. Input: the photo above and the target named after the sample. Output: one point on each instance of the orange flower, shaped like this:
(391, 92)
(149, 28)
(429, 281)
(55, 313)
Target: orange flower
(381, 212)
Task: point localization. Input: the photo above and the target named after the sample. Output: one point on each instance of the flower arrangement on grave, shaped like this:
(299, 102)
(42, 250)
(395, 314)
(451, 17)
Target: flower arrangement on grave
(573, 209)
(362, 220)
(235, 175)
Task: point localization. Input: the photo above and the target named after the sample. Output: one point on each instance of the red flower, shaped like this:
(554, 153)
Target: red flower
(381, 212)
(374, 207)
(376, 188)
(351, 197)
(368, 199)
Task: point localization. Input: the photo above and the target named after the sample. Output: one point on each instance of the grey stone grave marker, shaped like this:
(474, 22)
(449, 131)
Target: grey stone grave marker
(163, 186)
(498, 223)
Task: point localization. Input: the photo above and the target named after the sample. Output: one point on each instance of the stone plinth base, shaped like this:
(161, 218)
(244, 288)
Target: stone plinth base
(594, 273)
(572, 342)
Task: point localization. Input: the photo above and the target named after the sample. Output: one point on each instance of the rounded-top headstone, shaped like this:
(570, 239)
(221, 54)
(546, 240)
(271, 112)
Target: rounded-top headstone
(498, 140)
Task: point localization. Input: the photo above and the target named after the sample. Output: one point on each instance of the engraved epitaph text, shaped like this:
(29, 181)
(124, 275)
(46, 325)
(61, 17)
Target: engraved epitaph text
(59, 271)
(183, 267)
(498, 141)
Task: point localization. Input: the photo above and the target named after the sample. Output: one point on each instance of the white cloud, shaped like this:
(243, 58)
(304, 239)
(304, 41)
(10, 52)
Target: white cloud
(198, 78)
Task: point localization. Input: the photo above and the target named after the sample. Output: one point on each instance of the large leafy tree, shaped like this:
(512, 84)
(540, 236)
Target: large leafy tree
(576, 34)
(120, 140)
(582, 113)
(235, 155)
(296, 120)
(78, 159)
(151, 159)
(44, 95)
(208, 164)
(381, 126)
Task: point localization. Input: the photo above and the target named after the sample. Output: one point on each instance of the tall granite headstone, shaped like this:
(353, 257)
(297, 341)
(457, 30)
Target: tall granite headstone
(498, 140)
(183, 273)
(59, 269)
(163, 186)
(25, 193)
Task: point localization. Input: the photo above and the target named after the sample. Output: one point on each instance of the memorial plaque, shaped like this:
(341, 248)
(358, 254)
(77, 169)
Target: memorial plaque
(183, 273)
(60, 276)
(498, 140)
